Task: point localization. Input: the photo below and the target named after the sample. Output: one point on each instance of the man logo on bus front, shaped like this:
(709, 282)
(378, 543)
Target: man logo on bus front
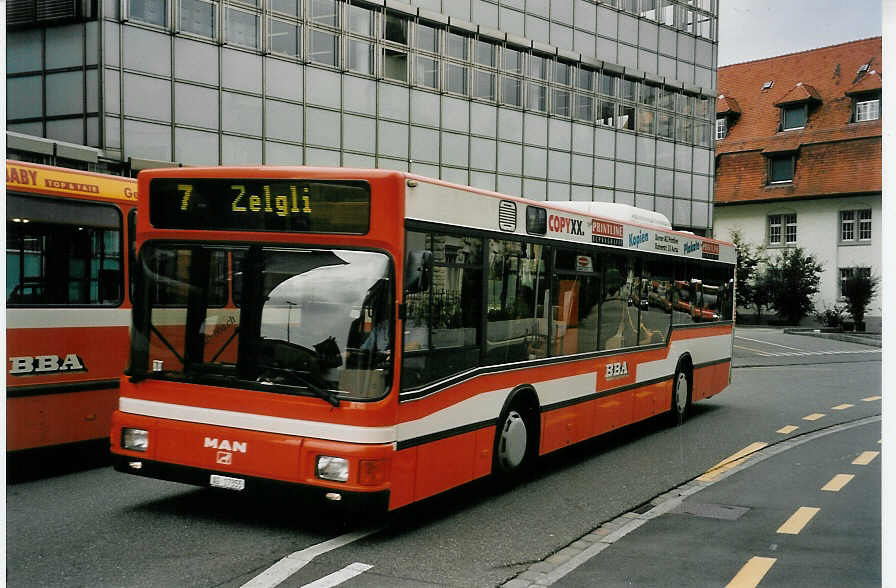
(225, 449)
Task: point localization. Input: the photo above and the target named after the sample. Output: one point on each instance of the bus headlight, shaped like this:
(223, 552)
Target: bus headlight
(332, 468)
(134, 439)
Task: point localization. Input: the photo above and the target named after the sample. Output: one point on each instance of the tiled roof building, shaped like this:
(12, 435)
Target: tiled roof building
(798, 156)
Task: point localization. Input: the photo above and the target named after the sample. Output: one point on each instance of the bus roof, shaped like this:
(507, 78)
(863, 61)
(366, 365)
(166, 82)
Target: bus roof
(45, 179)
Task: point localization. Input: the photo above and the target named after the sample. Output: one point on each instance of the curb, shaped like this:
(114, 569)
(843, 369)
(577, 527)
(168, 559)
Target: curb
(870, 340)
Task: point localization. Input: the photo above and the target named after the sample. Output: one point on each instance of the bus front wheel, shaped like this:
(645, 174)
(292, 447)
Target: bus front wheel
(515, 442)
(681, 394)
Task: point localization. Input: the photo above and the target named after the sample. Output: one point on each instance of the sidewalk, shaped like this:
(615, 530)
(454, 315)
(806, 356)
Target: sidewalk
(804, 512)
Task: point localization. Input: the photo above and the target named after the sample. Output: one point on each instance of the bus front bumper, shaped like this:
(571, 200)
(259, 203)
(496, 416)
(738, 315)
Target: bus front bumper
(312, 496)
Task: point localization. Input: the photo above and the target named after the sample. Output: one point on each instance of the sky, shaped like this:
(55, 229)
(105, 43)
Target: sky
(756, 29)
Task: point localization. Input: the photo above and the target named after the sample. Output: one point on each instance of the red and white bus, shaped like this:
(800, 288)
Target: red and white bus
(371, 337)
(67, 302)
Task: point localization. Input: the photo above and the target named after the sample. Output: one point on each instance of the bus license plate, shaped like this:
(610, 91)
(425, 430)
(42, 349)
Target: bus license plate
(227, 483)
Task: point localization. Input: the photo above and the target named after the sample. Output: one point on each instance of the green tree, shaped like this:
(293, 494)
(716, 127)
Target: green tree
(858, 289)
(792, 281)
(748, 259)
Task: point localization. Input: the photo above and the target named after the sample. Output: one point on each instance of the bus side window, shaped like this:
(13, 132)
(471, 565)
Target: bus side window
(518, 292)
(62, 252)
(576, 300)
(656, 309)
(619, 323)
(443, 324)
(686, 293)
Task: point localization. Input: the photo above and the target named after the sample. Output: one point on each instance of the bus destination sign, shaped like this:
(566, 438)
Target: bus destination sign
(305, 206)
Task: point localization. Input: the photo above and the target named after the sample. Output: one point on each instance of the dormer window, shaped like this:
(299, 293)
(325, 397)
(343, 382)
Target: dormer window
(793, 117)
(867, 108)
(727, 112)
(795, 105)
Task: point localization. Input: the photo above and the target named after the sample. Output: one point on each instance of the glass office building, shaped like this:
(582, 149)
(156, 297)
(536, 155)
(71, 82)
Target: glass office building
(548, 99)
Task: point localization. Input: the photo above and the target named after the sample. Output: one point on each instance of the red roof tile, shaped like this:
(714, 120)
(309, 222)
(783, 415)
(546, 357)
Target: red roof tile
(826, 76)
(867, 83)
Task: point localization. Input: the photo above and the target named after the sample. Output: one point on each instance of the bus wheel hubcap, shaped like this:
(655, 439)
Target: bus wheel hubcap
(512, 448)
(681, 392)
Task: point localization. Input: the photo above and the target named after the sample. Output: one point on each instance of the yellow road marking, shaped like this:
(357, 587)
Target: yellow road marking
(798, 520)
(871, 398)
(752, 573)
(865, 458)
(731, 461)
(843, 406)
(787, 429)
(813, 417)
(837, 482)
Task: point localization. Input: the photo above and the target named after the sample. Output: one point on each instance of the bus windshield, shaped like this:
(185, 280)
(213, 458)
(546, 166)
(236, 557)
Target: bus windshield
(294, 321)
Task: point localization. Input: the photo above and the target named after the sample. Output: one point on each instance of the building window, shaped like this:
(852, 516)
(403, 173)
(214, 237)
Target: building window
(848, 272)
(782, 229)
(456, 78)
(457, 46)
(537, 97)
(721, 128)
(855, 225)
(325, 12)
(584, 107)
(793, 117)
(427, 72)
(360, 56)
(148, 11)
(396, 29)
(427, 38)
(198, 17)
(284, 37)
(780, 169)
(323, 48)
(242, 28)
(483, 84)
(290, 7)
(511, 91)
(360, 20)
(395, 65)
(867, 109)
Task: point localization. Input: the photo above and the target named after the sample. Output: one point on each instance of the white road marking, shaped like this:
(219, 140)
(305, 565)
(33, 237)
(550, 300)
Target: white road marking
(763, 353)
(807, 353)
(294, 562)
(337, 578)
(767, 343)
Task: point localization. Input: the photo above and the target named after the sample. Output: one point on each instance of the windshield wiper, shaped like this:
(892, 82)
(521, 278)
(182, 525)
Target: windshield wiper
(324, 393)
(306, 381)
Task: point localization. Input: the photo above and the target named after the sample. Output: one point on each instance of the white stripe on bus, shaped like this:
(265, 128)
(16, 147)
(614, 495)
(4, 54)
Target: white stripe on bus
(42, 318)
(257, 422)
(702, 350)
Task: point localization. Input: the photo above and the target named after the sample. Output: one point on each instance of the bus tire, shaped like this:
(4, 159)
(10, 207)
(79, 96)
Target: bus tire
(516, 440)
(682, 383)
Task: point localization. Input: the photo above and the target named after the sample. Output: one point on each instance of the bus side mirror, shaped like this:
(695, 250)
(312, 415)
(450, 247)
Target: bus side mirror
(418, 271)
